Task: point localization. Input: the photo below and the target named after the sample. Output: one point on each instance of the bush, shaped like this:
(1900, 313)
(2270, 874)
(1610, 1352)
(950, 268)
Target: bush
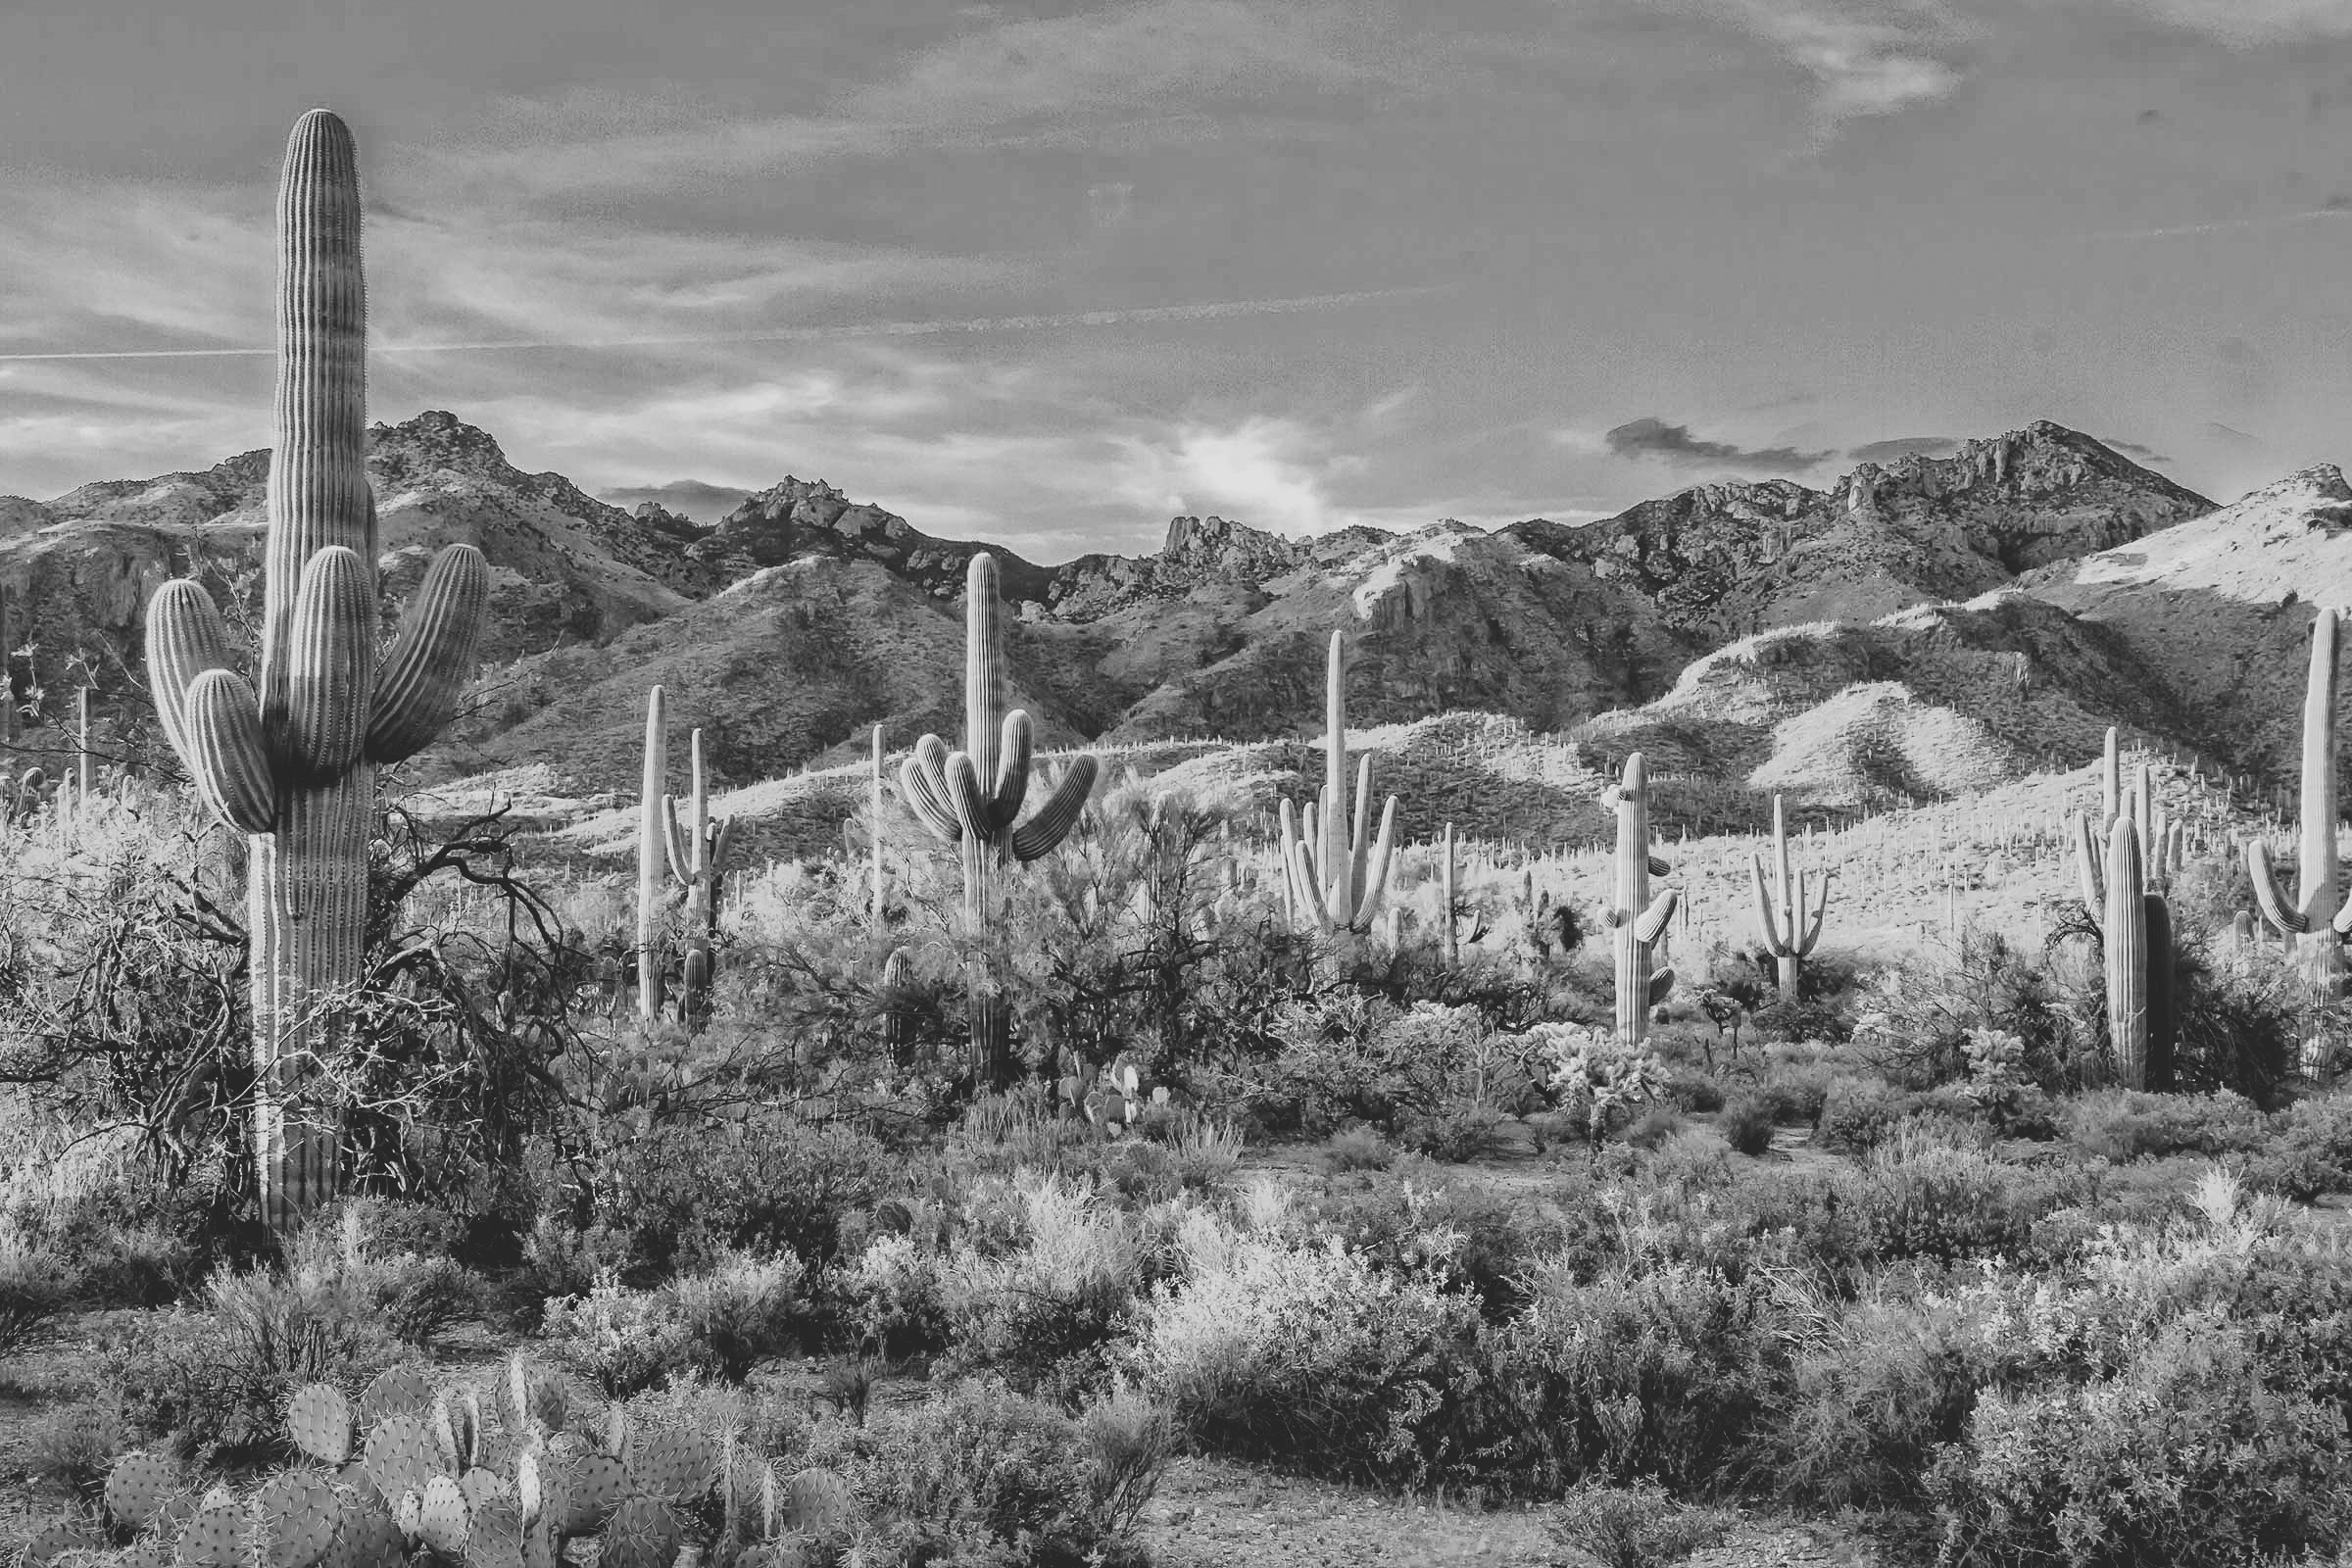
(74, 1445)
(1634, 1527)
(895, 1292)
(1869, 1400)
(35, 1288)
(215, 1379)
(697, 1194)
(2309, 1153)
(2123, 1124)
(1920, 1195)
(1858, 1114)
(744, 1311)
(1308, 1357)
(1358, 1148)
(977, 1473)
(1045, 1312)
(1746, 1125)
(2183, 1457)
(1654, 1126)
(623, 1340)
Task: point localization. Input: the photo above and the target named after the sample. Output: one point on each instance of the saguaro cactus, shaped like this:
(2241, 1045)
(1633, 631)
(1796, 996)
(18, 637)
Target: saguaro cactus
(1337, 876)
(873, 827)
(2136, 935)
(652, 834)
(294, 764)
(1450, 945)
(698, 859)
(1635, 920)
(973, 798)
(1790, 932)
(2318, 917)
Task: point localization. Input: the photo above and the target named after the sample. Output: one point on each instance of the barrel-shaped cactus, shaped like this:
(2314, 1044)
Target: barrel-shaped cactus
(1338, 869)
(1636, 920)
(1790, 929)
(974, 798)
(291, 760)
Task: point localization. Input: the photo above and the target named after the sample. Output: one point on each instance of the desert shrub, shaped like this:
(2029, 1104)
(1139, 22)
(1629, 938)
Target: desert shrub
(687, 1195)
(2183, 1456)
(1870, 1396)
(1795, 1089)
(1412, 1216)
(745, 1310)
(1656, 1373)
(1349, 1056)
(897, 1298)
(35, 1289)
(978, 1474)
(1746, 1124)
(1914, 1019)
(1358, 1148)
(1634, 1527)
(2125, 1124)
(2240, 1025)
(2309, 1151)
(1128, 1442)
(1857, 1114)
(1695, 1092)
(72, 1445)
(623, 1340)
(1921, 1194)
(216, 1376)
(1654, 1126)
(1308, 1357)
(1044, 1313)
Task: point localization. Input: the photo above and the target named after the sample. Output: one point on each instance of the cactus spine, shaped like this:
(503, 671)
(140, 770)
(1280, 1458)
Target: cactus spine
(2318, 916)
(1337, 876)
(698, 859)
(1636, 919)
(973, 798)
(1790, 933)
(294, 764)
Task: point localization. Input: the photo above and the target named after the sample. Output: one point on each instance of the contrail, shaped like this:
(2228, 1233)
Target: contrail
(1208, 311)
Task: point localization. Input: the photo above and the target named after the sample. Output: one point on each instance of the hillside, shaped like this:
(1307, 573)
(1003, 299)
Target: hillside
(803, 617)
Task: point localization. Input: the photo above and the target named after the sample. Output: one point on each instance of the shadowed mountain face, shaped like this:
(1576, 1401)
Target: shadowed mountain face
(802, 617)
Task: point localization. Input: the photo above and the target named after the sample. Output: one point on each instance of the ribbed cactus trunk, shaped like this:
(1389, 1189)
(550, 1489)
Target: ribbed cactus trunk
(1335, 869)
(653, 786)
(2317, 920)
(698, 862)
(85, 762)
(1791, 931)
(1445, 898)
(1636, 920)
(974, 798)
(2124, 935)
(873, 821)
(295, 764)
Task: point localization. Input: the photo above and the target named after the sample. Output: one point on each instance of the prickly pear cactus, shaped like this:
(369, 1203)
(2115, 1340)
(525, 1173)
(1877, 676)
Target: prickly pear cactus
(137, 1489)
(443, 1521)
(675, 1464)
(642, 1533)
(217, 1537)
(319, 1420)
(402, 1390)
(294, 1518)
(401, 1457)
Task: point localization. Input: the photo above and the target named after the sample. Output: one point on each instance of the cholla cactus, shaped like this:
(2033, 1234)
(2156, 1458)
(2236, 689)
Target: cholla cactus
(293, 764)
(1791, 931)
(973, 798)
(1606, 1072)
(1635, 920)
(1336, 877)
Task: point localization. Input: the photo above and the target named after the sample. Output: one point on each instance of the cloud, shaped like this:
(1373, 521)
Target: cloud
(1674, 444)
(2132, 449)
(1272, 473)
(1865, 57)
(688, 498)
(2249, 24)
(2216, 431)
(1926, 446)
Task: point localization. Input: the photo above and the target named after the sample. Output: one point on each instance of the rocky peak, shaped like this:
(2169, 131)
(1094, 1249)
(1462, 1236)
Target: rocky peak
(432, 441)
(1214, 545)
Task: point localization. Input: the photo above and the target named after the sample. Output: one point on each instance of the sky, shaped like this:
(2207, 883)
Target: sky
(1049, 275)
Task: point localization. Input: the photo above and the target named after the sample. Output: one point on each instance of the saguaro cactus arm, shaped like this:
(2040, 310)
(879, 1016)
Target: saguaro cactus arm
(425, 674)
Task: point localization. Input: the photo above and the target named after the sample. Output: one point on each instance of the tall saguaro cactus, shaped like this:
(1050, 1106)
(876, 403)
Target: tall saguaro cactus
(652, 836)
(874, 824)
(973, 798)
(1791, 931)
(1635, 920)
(2136, 936)
(2318, 916)
(1337, 874)
(294, 763)
(698, 859)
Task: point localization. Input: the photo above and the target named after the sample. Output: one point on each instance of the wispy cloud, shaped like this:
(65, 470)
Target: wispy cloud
(2252, 22)
(1865, 57)
(1926, 446)
(2223, 226)
(688, 498)
(1674, 444)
